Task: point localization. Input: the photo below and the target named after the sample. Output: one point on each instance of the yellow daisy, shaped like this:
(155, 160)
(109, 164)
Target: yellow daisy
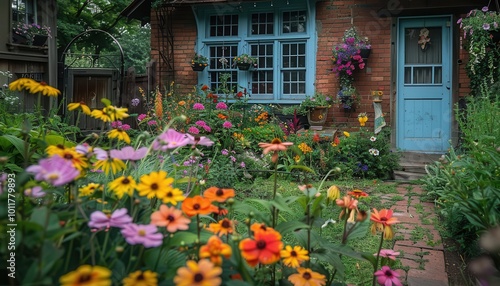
(156, 184)
(100, 114)
(111, 164)
(173, 196)
(119, 134)
(85, 108)
(20, 84)
(292, 257)
(123, 185)
(87, 275)
(139, 278)
(43, 88)
(78, 160)
(116, 113)
(88, 189)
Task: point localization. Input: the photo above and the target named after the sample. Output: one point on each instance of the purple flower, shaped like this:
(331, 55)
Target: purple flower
(386, 276)
(141, 117)
(119, 218)
(198, 106)
(125, 127)
(242, 165)
(146, 235)
(224, 152)
(116, 124)
(101, 154)
(170, 139)
(459, 21)
(495, 25)
(129, 153)
(207, 128)
(232, 158)
(193, 130)
(204, 141)
(201, 123)
(54, 170)
(35, 192)
(151, 122)
(84, 149)
(3, 180)
(221, 105)
(485, 9)
(135, 102)
(227, 124)
(486, 26)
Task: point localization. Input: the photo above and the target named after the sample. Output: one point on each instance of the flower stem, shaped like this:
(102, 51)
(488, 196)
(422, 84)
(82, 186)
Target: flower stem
(375, 267)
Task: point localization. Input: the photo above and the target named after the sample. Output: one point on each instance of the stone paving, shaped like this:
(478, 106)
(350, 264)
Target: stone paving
(416, 237)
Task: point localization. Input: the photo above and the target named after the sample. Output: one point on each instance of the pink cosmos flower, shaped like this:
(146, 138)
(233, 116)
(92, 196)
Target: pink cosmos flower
(193, 130)
(145, 234)
(141, 117)
(151, 122)
(84, 149)
(227, 124)
(198, 106)
(221, 105)
(388, 253)
(35, 192)
(129, 153)
(119, 218)
(204, 141)
(387, 277)
(54, 170)
(170, 139)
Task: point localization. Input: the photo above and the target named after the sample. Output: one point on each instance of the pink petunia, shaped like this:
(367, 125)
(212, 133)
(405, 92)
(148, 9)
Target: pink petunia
(147, 235)
(119, 218)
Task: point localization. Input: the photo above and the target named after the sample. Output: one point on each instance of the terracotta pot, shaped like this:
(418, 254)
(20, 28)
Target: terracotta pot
(317, 117)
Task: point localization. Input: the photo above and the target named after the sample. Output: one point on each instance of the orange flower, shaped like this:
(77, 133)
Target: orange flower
(383, 221)
(316, 137)
(347, 202)
(158, 104)
(200, 273)
(264, 248)
(275, 146)
(214, 249)
(223, 227)
(222, 116)
(357, 193)
(171, 218)
(197, 205)
(204, 87)
(307, 277)
(336, 141)
(261, 227)
(218, 194)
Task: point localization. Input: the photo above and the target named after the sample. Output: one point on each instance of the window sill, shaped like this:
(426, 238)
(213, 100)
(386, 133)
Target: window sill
(12, 47)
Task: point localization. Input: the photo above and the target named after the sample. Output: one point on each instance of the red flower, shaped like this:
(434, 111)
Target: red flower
(239, 94)
(264, 248)
(204, 87)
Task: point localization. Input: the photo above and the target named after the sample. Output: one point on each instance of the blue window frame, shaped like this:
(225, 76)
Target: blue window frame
(281, 37)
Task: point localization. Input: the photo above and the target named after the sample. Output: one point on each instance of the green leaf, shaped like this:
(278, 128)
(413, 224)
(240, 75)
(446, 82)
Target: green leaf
(290, 226)
(106, 101)
(58, 140)
(303, 168)
(16, 142)
(360, 229)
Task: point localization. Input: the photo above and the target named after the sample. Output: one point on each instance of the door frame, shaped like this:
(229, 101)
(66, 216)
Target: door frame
(395, 72)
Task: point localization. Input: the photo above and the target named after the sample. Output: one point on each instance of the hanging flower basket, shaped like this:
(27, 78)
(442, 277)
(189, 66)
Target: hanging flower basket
(40, 40)
(198, 67)
(365, 53)
(244, 66)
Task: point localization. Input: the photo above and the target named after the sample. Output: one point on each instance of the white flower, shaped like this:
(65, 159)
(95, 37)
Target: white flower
(375, 152)
(371, 151)
(373, 138)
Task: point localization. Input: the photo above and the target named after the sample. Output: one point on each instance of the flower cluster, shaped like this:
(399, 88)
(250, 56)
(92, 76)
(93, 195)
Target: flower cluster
(317, 100)
(245, 59)
(347, 55)
(30, 30)
(199, 60)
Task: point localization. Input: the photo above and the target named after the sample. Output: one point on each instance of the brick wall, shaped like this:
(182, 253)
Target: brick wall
(184, 31)
(333, 18)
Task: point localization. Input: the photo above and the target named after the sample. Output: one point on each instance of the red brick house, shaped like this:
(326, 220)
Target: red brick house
(293, 40)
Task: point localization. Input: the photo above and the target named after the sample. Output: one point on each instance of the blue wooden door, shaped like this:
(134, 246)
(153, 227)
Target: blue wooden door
(423, 102)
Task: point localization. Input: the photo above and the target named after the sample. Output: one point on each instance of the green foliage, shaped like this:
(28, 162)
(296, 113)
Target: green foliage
(465, 183)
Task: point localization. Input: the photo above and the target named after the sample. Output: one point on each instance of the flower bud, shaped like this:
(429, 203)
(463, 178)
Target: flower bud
(119, 249)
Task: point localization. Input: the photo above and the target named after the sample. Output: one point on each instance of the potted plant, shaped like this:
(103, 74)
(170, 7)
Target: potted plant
(348, 97)
(199, 62)
(295, 111)
(244, 61)
(30, 34)
(480, 28)
(317, 107)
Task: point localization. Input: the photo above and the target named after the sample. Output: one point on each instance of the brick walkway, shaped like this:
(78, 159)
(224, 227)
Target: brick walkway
(417, 239)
